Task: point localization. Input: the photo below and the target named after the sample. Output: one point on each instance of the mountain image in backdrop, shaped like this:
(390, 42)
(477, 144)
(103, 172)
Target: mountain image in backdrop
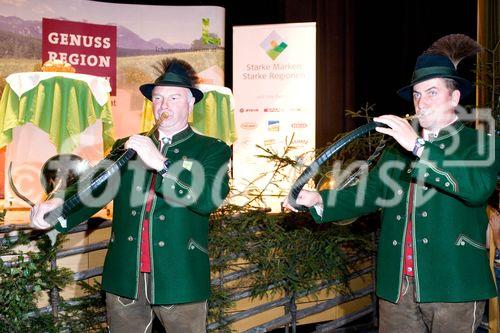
(22, 39)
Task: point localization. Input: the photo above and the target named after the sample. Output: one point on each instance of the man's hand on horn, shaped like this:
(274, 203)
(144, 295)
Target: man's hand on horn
(38, 212)
(399, 128)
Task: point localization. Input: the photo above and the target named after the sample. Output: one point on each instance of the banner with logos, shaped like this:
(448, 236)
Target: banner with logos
(89, 48)
(274, 85)
(119, 41)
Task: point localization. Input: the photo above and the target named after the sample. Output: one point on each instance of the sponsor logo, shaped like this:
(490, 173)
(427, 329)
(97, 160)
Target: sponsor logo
(273, 45)
(273, 125)
(299, 125)
(272, 110)
(300, 141)
(269, 142)
(245, 143)
(249, 125)
(242, 110)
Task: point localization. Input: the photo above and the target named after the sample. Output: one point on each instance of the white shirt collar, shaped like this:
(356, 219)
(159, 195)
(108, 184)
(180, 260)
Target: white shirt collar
(426, 134)
(170, 136)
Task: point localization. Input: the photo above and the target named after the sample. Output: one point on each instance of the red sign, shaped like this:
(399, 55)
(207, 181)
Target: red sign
(89, 48)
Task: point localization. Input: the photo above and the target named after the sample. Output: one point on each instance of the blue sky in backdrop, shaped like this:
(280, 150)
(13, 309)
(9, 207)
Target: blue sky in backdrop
(169, 21)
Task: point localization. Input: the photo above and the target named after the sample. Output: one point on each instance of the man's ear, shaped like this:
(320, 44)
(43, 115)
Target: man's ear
(455, 98)
(191, 105)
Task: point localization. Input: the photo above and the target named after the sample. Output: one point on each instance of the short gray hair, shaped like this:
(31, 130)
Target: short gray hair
(451, 84)
(190, 95)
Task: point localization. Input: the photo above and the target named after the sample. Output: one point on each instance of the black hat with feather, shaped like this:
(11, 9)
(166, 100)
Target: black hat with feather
(177, 73)
(441, 60)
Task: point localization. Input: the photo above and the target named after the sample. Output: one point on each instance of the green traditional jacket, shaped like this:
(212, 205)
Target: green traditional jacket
(194, 186)
(453, 180)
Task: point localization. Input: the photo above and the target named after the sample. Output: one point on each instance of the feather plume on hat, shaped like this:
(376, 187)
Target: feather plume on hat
(441, 61)
(162, 66)
(174, 72)
(455, 46)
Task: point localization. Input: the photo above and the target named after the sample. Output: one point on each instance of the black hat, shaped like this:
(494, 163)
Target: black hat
(441, 60)
(176, 73)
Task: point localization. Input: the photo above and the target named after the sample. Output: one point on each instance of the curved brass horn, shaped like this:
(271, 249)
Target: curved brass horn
(58, 172)
(14, 188)
(88, 184)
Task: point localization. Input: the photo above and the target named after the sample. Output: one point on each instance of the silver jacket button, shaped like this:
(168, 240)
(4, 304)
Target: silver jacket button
(161, 244)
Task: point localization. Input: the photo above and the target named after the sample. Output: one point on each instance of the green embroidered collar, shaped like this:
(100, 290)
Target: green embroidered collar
(448, 131)
(177, 138)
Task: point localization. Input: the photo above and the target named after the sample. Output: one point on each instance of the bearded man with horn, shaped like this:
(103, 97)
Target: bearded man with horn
(432, 187)
(157, 262)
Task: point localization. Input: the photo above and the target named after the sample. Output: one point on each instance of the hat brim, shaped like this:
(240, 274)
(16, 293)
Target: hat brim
(464, 86)
(147, 90)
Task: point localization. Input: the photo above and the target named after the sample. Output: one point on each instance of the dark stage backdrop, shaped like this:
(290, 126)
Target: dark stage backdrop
(366, 49)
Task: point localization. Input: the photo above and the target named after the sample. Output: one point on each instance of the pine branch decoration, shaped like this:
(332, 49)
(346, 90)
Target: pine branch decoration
(455, 46)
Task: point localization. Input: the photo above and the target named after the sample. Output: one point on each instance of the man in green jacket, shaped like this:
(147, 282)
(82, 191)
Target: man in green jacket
(432, 187)
(157, 261)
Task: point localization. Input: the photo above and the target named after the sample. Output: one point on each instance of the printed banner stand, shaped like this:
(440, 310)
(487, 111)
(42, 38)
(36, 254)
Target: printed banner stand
(107, 40)
(274, 85)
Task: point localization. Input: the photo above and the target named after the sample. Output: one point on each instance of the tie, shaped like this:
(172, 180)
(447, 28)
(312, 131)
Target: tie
(432, 136)
(165, 143)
